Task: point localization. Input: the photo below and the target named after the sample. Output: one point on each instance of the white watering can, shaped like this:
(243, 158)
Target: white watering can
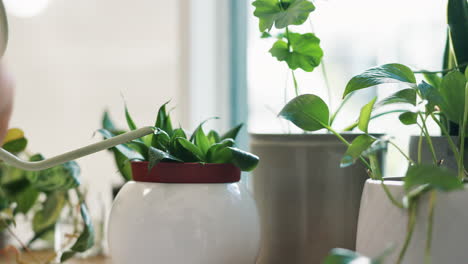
(12, 160)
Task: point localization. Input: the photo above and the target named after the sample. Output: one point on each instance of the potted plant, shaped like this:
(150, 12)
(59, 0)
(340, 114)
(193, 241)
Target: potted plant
(42, 197)
(307, 204)
(183, 203)
(419, 213)
(455, 57)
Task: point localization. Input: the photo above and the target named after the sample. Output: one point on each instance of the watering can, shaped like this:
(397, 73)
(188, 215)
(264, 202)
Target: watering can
(12, 160)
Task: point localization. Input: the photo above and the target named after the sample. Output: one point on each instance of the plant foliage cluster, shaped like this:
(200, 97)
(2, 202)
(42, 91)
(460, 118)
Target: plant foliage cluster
(440, 98)
(44, 196)
(169, 144)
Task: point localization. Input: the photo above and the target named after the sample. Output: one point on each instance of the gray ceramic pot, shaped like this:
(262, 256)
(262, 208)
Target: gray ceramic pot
(442, 150)
(307, 203)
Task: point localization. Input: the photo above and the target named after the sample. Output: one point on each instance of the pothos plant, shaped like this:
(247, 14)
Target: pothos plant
(298, 50)
(168, 144)
(441, 99)
(43, 197)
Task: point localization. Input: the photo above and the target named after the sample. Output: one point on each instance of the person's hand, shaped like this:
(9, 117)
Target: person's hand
(6, 102)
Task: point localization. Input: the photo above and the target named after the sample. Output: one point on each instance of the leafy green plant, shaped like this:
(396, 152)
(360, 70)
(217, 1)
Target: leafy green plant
(297, 50)
(168, 144)
(46, 195)
(310, 113)
(441, 98)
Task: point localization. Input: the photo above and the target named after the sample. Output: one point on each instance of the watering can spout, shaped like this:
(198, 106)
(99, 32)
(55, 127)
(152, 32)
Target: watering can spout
(14, 161)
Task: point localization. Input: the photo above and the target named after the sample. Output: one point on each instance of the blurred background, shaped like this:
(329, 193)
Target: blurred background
(74, 59)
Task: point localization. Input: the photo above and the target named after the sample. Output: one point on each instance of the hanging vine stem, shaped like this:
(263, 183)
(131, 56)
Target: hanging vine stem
(410, 229)
(425, 132)
(430, 224)
(449, 139)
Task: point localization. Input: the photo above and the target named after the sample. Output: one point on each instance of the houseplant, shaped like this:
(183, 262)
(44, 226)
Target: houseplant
(382, 220)
(184, 204)
(298, 176)
(43, 197)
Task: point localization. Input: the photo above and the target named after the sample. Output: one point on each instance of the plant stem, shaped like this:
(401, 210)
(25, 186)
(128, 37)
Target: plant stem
(401, 152)
(430, 225)
(342, 139)
(390, 195)
(428, 137)
(420, 141)
(296, 87)
(449, 139)
(332, 119)
(327, 85)
(461, 167)
(354, 125)
(443, 71)
(410, 229)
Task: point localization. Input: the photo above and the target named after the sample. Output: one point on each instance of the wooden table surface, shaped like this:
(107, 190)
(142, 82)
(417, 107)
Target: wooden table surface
(42, 256)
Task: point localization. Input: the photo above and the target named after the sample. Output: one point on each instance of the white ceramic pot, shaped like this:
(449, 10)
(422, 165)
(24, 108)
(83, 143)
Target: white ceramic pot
(307, 203)
(203, 216)
(381, 224)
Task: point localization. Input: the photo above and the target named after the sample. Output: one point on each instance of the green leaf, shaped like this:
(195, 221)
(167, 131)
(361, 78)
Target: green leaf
(345, 256)
(265, 35)
(128, 117)
(213, 137)
(433, 79)
(123, 165)
(129, 153)
(155, 156)
(405, 96)
(457, 18)
(66, 256)
(281, 13)
(201, 140)
(388, 73)
(16, 146)
(192, 153)
(364, 117)
(163, 120)
(107, 123)
(161, 140)
(178, 133)
(245, 161)
(408, 118)
(86, 240)
(356, 149)
(140, 147)
(437, 177)
(50, 212)
(59, 178)
(452, 90)
(219, 152)
(303, 51)
(431, 95)
(233, 132)
(26, 199)
(309, 112)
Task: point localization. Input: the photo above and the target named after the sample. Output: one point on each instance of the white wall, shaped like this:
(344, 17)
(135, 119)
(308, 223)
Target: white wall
(75, 59)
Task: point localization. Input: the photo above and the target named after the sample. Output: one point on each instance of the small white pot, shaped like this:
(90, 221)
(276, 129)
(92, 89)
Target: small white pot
(191, 221)
(382, 224)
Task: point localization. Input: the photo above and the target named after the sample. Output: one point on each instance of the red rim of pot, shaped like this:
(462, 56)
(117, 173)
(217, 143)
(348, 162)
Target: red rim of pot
(173, 172)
